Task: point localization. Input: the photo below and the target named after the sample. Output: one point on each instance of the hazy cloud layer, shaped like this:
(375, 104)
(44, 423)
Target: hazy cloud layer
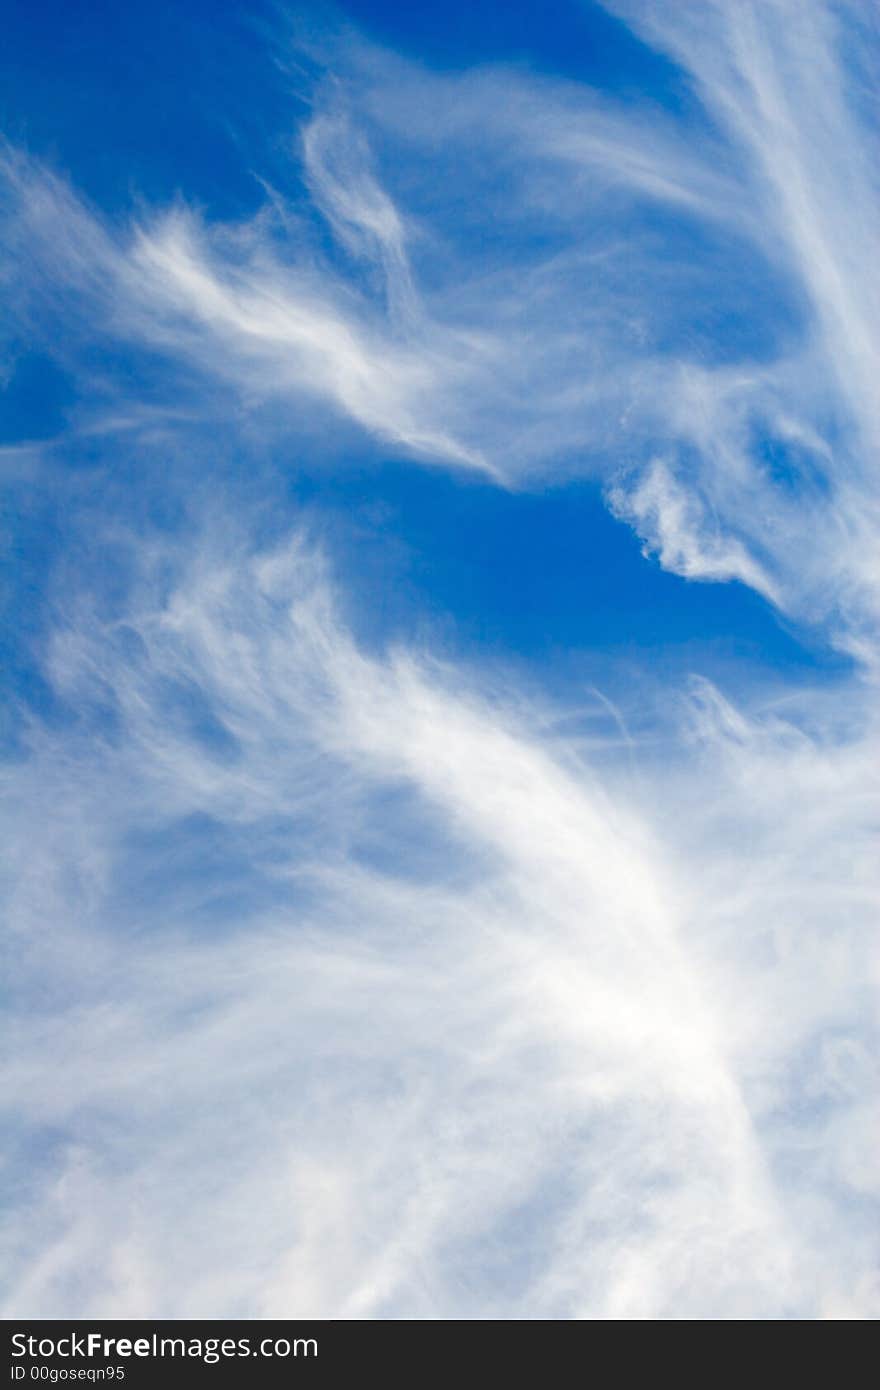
(339, 975)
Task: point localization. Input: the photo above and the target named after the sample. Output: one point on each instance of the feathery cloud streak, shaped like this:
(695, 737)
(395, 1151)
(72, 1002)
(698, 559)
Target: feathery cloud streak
(697, 316)
(537, 1055)
(346, 969)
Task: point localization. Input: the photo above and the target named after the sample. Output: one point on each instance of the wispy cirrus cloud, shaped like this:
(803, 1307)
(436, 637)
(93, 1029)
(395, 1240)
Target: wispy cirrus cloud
(636, 243)
(487, 1031)
(347, 969)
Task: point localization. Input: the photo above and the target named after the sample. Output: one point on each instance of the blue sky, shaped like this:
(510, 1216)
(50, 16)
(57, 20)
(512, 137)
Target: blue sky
(440, 642)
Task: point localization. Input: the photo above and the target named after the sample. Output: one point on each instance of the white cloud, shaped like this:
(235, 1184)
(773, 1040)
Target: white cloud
(360, 212)
(670, 518)
(347, 972)
(557, 283)
(773, 74)
(581, 1063)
